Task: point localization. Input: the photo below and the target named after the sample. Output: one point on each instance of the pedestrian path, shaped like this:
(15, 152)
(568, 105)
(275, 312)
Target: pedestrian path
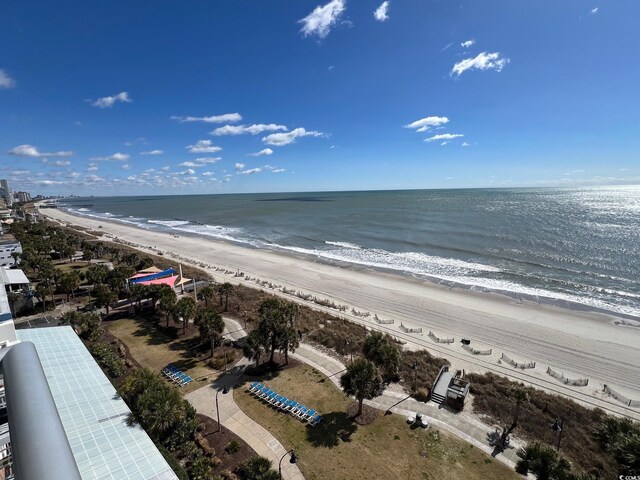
(460, 424)
(258, 438)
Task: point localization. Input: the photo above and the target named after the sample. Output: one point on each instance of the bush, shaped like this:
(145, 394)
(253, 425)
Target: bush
(217, 362)
(107, 357)
(178, 469)
(232, 447)
(422, 395)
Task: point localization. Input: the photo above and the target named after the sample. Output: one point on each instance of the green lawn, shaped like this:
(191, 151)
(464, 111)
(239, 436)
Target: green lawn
(154, 350)
(339, 449)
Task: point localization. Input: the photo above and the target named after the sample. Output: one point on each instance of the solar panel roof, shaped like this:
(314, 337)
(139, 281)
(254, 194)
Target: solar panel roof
(92, 413)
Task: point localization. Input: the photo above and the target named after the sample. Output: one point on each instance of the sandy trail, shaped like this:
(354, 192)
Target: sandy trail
(581, 344)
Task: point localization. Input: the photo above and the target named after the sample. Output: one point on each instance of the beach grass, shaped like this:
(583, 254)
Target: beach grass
(340, 449)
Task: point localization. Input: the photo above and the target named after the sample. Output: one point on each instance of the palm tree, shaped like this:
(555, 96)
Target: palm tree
(13, 298)
(361, 380)
(41, 294)
(520, 395)
(253, 347)
(257, 468)
(208, 294)
(211, 326)
(544, 462)
(271, 324)
(167, 303)
(379, 349)
(16, 257)
(225, 289)
(104, 296)
(289, 341)
(69, 283)
(185, 308)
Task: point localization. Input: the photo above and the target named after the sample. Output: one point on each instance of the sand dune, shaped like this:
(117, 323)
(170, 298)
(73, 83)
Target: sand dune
(588, 345)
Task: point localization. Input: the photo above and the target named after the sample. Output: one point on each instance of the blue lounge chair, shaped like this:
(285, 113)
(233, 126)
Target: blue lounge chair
(302, 412)
(258, 390)
(308, 415)
(313, 421)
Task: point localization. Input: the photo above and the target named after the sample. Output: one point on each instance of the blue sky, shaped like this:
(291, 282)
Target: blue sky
(167, 97)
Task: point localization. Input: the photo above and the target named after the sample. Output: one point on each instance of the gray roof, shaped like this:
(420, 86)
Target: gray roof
(92, 413)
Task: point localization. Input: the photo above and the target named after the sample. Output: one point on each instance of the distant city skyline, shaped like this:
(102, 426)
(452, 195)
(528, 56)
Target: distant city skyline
(320, 95)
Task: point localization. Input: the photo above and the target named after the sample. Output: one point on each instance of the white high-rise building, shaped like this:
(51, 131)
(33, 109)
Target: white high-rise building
(5, 192)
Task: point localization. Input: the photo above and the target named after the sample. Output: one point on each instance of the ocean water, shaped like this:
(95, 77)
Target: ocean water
(576, 247)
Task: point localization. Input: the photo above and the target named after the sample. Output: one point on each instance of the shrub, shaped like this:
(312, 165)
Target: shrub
(107, 357)
(232, 447)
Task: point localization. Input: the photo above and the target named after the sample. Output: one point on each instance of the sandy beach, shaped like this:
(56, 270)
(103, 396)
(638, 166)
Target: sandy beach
(578, 344)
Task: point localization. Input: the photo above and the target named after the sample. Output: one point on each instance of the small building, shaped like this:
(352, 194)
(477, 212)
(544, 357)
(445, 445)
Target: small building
(450, 389)
(9, 245)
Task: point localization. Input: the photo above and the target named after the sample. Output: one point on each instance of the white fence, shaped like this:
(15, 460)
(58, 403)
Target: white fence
(515, 364)
(621, 398)
(472, 350)
(406, 329)
(579, 382)
(433, 337)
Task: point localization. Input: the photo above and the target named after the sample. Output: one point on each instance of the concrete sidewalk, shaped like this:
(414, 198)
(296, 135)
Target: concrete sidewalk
(397, 401)
(265, 444)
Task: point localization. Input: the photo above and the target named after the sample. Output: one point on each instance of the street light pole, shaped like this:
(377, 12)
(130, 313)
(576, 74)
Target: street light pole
(294, 459)
(225, 390)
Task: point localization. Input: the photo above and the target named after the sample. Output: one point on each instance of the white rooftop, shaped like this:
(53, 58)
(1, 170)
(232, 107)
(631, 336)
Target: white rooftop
(13, 276)
(92, 413)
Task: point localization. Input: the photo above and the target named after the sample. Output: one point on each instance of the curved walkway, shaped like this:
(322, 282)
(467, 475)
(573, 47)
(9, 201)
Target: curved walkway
(265, 444)
(393, 398)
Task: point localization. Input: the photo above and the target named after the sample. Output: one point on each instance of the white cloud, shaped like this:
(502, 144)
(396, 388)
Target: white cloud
(252, 129)
(278, 170)
(116, 157)
(203, 146)
(57, 163)
(282, 139)
(265, 151)
(189, 164)
(594, 11)
(427, 123)
(164, 169)
(207, 160)
(320, 21)
(251, 171)
(224, 118)
(382, 12)
(126, 167)
(444, 136)
(6, 81)
(466, 144)
(92, 168)
(483, 61)
(239, 166)
(108, 102)
(152, 152)
(468, 43)
(33, 152)
(207, 174)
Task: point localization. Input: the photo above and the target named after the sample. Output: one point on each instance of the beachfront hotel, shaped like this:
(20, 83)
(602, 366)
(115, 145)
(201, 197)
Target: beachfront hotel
(60, 416)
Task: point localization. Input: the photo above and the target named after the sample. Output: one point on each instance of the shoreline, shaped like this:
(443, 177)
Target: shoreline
(621, 319)
(587, 343)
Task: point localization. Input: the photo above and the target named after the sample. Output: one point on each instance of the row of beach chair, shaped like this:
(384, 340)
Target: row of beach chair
(281, 402)
(176, 375)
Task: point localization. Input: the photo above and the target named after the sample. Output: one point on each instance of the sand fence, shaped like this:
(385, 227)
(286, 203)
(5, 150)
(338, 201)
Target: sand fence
(621, 398)
(473, 351)
(520, 365)
(577, 382)
(436, 339)
(406, 329)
